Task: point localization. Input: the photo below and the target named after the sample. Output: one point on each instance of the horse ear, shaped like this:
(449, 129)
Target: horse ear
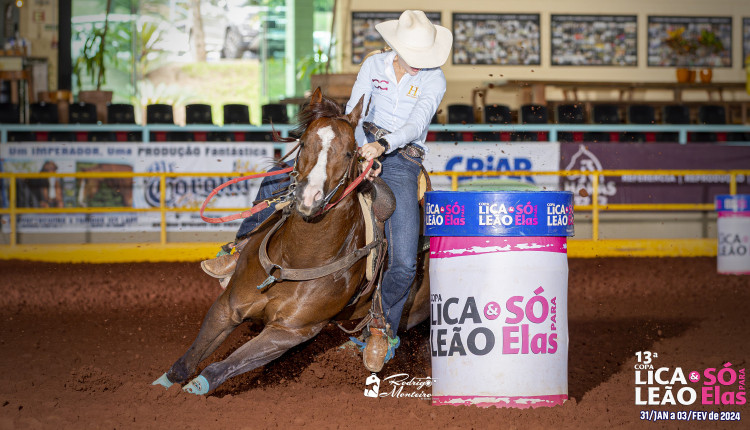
(356, 113)
(317, 97)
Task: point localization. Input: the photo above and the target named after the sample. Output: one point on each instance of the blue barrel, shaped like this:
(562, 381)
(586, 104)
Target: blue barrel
(733, 234)
(498, 296)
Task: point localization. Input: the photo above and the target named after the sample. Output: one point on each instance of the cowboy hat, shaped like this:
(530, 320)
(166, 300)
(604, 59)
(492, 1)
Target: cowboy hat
(420, 43)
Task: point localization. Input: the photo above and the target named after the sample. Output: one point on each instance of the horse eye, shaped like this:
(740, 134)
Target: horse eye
(349, 154)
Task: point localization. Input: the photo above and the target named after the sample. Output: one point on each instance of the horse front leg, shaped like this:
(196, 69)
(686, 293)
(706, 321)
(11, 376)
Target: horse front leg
(216, 327)
(268, 345)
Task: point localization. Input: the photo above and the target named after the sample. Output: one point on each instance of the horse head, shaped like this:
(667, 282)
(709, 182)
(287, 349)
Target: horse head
(327, 155)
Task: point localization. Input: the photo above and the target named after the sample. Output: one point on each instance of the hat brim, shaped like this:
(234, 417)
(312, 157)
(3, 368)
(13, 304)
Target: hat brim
(422, 58)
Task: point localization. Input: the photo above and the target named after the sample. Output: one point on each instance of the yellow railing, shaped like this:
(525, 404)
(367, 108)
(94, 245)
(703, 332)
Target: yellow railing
(578, 247)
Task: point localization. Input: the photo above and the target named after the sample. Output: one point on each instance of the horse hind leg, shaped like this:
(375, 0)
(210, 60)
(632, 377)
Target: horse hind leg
(216, 327)
(268, 345)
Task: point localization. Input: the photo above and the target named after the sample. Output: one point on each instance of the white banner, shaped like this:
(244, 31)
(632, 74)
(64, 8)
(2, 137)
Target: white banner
(487, 157)
(139, 192)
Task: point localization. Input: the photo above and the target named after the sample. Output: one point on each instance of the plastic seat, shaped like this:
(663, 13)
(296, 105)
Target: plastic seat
(673, 114)
(46, 113)
(159, 113)
(639, 114)
(603, 114)
(532, 114)
(236, 114)
(118, 113)
(710, 115)
(495, 114)
(10, 113)
(43, 113)
(570, 113)
(274, 113)
(460, 114)
(82, 113)
(198, 113)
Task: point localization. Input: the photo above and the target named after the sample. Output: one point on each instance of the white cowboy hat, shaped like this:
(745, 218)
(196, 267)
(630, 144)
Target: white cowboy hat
(420, 43)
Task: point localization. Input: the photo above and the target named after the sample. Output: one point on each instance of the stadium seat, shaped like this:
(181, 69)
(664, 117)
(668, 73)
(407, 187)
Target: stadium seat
(603, 114)
(532, 114)
(710, 115)
(639, 114)
(119, 113)
(673, 114)
(274, 113)
(573, 113)
(197, 113)
(82, 113)
(495, 114)
(159, 113)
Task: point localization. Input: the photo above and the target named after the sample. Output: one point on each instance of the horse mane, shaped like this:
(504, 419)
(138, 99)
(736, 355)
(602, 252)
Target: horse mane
(327, 108)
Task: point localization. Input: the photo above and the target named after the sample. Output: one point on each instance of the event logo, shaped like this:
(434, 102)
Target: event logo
(399, 385)
(529, 327)
(654, 385)
(584, 160)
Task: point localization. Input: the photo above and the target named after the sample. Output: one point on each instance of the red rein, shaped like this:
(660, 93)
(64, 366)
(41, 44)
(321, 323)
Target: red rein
(264, 204)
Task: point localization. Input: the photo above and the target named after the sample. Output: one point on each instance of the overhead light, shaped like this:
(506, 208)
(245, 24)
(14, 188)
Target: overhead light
(19, 3)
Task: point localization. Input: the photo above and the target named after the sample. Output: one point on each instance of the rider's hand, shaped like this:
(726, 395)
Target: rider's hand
(371, 150)
(374, 170)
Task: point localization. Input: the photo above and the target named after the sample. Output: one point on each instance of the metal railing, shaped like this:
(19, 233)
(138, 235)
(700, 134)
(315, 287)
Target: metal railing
(595, 208)
(552, 129)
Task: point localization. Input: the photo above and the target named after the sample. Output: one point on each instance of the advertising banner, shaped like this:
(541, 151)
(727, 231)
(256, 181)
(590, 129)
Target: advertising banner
(653, 188)
(137, 192)
(487, 157)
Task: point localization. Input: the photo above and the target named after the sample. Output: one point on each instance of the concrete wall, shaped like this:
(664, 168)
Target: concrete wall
(463, 78)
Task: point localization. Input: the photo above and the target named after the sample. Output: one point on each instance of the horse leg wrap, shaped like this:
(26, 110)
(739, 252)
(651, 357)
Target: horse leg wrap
(163, 381)
(198, 386)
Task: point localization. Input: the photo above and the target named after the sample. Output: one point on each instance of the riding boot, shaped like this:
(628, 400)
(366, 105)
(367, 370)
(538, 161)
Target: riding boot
(223, 265)
(375, 350)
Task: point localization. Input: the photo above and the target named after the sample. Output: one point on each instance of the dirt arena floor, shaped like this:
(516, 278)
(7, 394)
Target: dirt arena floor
(81, 345)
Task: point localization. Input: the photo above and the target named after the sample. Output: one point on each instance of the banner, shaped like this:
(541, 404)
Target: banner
(138, 192)
(487, 157)
(653, 156)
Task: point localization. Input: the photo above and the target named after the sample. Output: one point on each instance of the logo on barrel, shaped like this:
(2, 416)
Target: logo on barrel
(529, 326)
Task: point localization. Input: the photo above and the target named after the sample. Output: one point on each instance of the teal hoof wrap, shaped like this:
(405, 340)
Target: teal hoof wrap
(393, 343)
(198, 386)
(163, 381)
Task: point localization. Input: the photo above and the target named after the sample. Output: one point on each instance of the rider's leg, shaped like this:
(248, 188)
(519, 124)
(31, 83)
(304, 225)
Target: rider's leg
(401, 173)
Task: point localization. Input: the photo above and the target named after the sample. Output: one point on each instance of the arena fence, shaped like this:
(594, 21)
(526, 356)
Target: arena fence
(194, 251)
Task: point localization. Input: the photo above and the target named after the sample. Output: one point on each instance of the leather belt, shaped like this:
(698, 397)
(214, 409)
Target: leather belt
(374, 130)
(412, 150)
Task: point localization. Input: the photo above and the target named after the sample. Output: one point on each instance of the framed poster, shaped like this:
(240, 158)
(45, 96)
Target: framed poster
(689, 29)
(366, 39)
(505, 39)
(594, 40)
(746, 41)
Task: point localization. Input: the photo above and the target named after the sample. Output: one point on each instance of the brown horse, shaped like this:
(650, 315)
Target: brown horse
(309, 236)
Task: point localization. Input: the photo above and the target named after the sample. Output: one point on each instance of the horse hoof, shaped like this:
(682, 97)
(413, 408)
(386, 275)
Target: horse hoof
(163, 381)
(197, 386)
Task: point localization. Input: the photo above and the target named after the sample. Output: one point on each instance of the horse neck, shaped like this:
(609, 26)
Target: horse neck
(326, 238)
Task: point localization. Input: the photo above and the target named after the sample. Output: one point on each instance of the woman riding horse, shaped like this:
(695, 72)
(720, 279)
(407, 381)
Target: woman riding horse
(311, 232)
(405, 87)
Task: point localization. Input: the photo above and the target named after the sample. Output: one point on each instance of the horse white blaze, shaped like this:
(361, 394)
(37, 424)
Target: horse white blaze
(317, 177)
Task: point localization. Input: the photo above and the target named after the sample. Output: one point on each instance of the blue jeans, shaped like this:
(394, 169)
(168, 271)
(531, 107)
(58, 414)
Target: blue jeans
(401, 173)
(268, 187)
